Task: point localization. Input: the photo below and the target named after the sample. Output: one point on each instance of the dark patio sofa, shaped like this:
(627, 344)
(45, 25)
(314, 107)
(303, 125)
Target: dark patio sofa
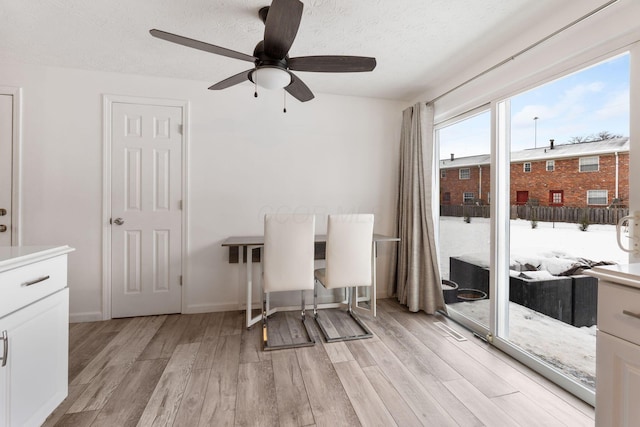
(571, 299)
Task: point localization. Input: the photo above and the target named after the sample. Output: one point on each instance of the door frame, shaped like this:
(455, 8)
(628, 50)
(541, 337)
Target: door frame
(16, 185)
(108, 101)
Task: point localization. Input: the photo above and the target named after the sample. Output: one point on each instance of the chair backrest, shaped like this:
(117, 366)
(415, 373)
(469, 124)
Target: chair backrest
(288, 252)
(348, 254)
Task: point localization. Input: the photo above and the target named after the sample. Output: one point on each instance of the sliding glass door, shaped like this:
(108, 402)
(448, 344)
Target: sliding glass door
(568, 174)
(558, 164)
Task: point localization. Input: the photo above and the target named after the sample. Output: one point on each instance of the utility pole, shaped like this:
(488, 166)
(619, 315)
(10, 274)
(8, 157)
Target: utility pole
(535, 132)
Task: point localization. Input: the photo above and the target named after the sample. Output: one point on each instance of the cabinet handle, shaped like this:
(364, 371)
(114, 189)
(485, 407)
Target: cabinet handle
(33, 282)
(631, 313)
(5, 353)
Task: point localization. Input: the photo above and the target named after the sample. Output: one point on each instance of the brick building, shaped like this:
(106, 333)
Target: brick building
(575, 175)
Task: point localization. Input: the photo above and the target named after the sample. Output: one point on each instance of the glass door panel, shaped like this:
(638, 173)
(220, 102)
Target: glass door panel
(464, 225)
(568, 187)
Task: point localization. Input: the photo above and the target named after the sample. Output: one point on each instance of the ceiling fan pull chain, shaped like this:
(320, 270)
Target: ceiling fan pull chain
(284, 110)
(255, 83)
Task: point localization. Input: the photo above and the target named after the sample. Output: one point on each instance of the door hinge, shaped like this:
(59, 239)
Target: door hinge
(180, 129)
(180, 205)
(180, 280)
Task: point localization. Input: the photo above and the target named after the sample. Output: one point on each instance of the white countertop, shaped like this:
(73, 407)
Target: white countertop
(16, 256)
(626, 274)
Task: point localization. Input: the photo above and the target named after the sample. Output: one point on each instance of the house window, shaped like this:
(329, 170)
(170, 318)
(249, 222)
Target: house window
(467, 198)
(551, 165)
(464, 173)
(527, 167)
(597, 197)
(443, 173)
(556, 197)
(589, 164)
(446, 198)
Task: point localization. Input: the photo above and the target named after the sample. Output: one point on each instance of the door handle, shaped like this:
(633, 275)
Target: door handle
(118, 221)
(3, 228)
(33, 282)
(5, 353)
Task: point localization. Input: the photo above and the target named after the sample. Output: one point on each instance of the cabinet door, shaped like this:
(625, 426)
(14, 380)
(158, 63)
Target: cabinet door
(34, 380)
(618, 382)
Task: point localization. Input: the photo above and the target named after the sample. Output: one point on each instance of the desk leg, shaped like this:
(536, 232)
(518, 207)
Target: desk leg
(250, 320)
(372, 290)
(374, 256)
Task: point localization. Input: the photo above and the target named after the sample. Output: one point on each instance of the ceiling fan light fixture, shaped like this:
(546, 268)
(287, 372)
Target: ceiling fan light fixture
(271, 77)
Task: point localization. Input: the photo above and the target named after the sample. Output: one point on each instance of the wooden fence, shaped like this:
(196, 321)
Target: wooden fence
(542, 213)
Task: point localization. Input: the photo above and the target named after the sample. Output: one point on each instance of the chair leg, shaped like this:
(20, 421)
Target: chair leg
(315, 298)
(267, 347)
(366, 332)
(265, 337)
(302, 306)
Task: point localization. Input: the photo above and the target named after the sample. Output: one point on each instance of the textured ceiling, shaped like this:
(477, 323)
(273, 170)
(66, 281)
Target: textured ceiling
(417, 43)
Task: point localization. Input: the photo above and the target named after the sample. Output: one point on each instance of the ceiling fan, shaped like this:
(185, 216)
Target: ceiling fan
(272, 65)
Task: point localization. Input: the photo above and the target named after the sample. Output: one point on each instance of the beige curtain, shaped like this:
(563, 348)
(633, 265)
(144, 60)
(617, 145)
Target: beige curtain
(417, 281)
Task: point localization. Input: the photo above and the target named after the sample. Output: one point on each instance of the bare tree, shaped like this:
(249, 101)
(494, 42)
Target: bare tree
(577, 139)
(600, 136)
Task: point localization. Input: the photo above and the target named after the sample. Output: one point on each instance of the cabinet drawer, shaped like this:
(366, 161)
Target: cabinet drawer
(24, 285)
(618, 307)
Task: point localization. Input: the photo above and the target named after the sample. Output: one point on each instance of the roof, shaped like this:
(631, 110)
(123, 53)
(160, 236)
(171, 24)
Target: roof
(581, 149)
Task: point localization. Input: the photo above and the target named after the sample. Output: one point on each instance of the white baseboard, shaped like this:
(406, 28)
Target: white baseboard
(93, 316)
(198, 308)
(212, 308)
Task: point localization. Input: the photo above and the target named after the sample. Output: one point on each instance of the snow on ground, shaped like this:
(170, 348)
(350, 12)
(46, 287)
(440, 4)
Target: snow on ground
(571, 350)
(598, 243)
(566, 347)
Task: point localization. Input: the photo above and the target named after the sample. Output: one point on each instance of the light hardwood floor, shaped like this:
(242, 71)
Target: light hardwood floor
(207, 369)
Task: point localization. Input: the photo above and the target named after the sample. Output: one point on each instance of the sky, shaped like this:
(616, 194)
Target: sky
(581, 104)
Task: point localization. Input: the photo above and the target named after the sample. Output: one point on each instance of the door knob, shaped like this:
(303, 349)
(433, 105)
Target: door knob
(3, 228)
(118, 221)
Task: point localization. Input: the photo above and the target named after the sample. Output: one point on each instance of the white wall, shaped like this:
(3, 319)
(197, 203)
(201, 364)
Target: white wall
(332, 154)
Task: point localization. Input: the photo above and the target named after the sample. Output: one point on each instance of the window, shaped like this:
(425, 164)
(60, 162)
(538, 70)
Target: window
(468, 197)
(556, 197)
(527, 167)
(443, 173)
(551, 165)
(446, 198)
(589, 164)
(597, 197)
(464, 173)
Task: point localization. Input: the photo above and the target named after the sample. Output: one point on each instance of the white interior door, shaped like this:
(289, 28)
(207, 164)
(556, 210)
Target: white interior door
(146, 198)
(6, 168)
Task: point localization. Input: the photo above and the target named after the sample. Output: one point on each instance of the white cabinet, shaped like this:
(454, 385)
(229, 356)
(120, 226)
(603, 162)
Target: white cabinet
(618, 381)
(34, 331)
(618, 346)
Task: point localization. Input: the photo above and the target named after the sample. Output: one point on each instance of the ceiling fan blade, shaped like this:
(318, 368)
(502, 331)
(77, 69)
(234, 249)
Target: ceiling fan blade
(332, 64)
(232, 81)
(299, 90)
(185, 41)
(281, 27)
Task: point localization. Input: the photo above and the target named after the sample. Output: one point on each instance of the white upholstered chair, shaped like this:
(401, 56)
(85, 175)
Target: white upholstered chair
(288, 263)
(348, 264)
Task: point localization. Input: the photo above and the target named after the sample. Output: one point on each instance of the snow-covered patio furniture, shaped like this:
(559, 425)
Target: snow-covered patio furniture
(571, 298)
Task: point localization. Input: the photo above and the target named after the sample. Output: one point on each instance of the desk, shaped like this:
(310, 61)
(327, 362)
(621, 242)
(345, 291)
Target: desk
(246, 244)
